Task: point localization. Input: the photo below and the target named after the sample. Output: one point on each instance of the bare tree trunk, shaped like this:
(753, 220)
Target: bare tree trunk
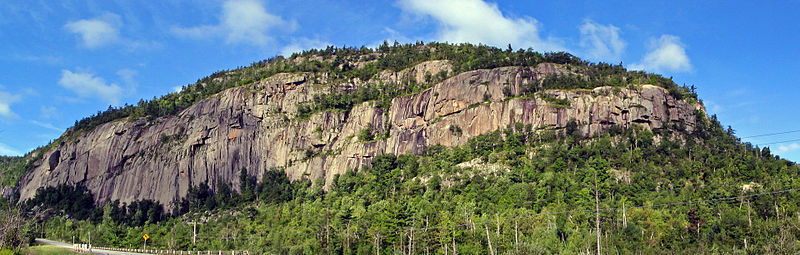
(597, 213)
(497, 215)
(427, 247)
(749, 220)
(347, 237)
(455, 252)
(491, 250)
(328, 231)
(624, 216)
(516, 237)
(377, 245)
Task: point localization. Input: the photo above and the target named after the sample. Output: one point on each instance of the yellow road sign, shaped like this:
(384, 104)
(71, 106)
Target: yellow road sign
(145, 236)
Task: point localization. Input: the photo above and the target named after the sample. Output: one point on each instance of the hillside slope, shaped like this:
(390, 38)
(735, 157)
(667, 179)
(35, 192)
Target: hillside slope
(254, 127)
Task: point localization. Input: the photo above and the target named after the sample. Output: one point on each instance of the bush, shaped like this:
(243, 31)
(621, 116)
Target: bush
(366, 135)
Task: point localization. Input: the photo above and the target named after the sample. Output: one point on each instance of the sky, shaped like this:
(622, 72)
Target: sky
(61, 61)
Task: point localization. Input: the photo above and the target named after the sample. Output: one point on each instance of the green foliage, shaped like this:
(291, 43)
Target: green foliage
(554, 101)
(46, 250)
(366, 135)
(72, 200)
(274, 187)
(455, 130)
(11, 168)
(77, 202)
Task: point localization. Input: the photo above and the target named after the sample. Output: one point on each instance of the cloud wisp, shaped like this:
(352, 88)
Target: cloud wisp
(602, 42)
(302, 44)
(667, 54)
(8, 150)
(6, 100)
(47, 126)
(476, 21)
(88, 85)
(241, 21)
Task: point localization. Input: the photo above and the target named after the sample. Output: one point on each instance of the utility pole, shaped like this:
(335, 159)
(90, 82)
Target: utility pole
(597, 213)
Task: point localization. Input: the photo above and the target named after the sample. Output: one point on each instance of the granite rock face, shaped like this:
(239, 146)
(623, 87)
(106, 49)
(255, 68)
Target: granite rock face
(254, 127)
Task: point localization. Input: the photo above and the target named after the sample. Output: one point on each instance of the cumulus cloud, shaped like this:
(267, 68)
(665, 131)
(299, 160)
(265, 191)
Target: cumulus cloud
(667, 53)
(8, 150)
(602, 42)
(301, 44)
(6, 100)
(476, 21)
(241, 21)
(96, 32)
(787, 148)
(88, 85)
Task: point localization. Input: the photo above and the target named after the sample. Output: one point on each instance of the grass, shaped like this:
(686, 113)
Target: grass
(47, 250)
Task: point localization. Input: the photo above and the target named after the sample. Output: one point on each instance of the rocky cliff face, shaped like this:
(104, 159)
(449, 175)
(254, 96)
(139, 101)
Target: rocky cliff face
(253, 127)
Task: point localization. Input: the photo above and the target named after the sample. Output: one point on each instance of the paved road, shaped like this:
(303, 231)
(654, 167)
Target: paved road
(94, 251)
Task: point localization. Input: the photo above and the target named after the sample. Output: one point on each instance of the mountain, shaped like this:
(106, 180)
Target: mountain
(257, 126)
(413, 147)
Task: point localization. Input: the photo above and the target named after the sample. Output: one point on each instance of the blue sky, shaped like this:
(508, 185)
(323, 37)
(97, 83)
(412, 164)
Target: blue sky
(61, 61)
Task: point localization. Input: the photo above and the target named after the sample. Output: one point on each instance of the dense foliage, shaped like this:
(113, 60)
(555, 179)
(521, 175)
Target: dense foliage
(539, 185)
(11, 168)
(76, 202)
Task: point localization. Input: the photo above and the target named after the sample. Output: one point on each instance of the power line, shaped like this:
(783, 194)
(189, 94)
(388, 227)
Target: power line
(771, 134)
(787, 141)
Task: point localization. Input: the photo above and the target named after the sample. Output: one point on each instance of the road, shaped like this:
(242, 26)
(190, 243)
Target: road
(94, 251)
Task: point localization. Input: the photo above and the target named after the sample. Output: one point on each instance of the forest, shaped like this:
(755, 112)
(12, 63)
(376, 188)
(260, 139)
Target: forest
(515, 191)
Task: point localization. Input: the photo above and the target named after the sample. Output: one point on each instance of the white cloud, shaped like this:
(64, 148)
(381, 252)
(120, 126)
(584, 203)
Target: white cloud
(127, 75)
(7, 150)
(6, 100)
(87, 85)
(242, 21)
(301, 44)
(177, 89)
(96, 32)
(47, 126)
(48, 112)
(667, 53)
(476, 21)
(602, 42)
(788, 148)
(50, 60)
